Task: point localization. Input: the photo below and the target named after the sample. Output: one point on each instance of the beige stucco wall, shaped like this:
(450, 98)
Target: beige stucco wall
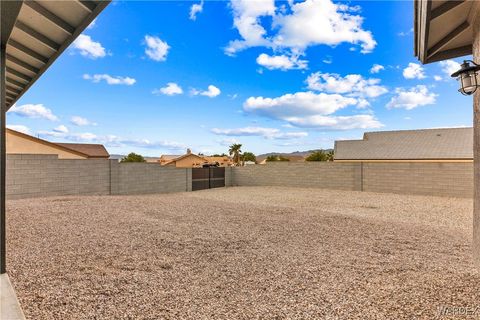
(20, 145)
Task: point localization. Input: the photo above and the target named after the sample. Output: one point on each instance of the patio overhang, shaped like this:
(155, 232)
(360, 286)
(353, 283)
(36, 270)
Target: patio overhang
(443, 29)
(35, 33)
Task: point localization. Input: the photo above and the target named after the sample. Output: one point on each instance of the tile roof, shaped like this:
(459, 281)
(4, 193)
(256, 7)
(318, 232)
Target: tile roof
(90, 149)
(448, 143)
(167, 157)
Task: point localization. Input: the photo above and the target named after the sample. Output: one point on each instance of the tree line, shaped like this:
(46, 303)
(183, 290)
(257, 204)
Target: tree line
(239, 157)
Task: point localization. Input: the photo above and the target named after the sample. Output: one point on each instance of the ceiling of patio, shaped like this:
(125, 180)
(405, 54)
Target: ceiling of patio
(443, 29)
(40, 31)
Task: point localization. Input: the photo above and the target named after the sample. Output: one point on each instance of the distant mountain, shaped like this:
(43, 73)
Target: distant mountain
(294, 154)
(116, 156)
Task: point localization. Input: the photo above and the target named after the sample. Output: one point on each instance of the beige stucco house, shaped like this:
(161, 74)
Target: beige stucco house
(166, 158)
(191, 160)
(21, 143)
(188, 160)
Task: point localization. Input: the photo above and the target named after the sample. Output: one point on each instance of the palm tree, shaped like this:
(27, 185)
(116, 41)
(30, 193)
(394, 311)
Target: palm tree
(235, 151)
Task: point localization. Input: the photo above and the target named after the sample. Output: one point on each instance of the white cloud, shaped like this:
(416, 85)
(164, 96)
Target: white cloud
(437, 78)
(366, 121)
(211, 92)
(156, 48)
(80, 121)
(449, 67)
(61, 128)
(412, 98)
(77, 137)
(89, 48)
(309, 23)
(268, 133)
(314, 22)
(413, 71)
(92, 24)
(148, 144)
(328, 60)
(298, 104)
(312, 110)
(35, 111)
(282, 62)
(195, 9)
(376, 68)
(405, 33)
(20, 128)
(112, 80)
(246, 19)
(170, 90)
(114, 141)
(353, 84)
(228, 141)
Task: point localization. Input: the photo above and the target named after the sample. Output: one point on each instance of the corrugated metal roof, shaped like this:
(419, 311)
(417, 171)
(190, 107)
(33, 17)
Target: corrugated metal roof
(448, 143)
(41, 32)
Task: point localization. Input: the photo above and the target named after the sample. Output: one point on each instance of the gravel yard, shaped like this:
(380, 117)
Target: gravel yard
(242, 253)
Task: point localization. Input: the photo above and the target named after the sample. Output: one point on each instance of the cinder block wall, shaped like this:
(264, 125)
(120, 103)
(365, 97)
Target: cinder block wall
(45, 175)
(144, 178)
(436, 179)
(228, 176)
(343, 176)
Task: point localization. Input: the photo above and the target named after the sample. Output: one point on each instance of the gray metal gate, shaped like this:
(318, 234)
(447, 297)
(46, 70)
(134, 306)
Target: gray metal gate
(207, 178)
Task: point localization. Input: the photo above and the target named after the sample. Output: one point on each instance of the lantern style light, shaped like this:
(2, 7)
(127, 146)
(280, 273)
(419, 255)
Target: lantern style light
(467, 77)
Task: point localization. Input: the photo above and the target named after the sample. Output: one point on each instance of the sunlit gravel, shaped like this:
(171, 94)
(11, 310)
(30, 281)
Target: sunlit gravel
(242, 253)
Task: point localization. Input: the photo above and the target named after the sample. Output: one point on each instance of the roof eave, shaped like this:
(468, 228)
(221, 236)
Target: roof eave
(95, 12)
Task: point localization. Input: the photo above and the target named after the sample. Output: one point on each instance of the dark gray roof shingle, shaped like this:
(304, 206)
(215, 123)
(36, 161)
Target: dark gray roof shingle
(448, 143)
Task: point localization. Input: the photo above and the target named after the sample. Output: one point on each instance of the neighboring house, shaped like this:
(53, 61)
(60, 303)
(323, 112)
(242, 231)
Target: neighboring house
(224, 161)
(426, 145)
(152, 159)
(191, 160)
(20, 143)
(92, 150)
(168, 158)
(188, 160)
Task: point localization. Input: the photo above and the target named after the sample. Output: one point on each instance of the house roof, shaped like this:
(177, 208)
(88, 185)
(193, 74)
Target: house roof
(169, 157)
(448, 143)
(185, 156)
(443, 29)
(36, 33)
(45, 142)
(90, 149)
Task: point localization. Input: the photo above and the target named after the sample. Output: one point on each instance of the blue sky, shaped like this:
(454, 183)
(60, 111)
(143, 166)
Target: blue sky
(157, 77)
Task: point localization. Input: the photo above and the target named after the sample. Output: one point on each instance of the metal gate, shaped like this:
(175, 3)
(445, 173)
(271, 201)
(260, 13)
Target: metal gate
(207, 178)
